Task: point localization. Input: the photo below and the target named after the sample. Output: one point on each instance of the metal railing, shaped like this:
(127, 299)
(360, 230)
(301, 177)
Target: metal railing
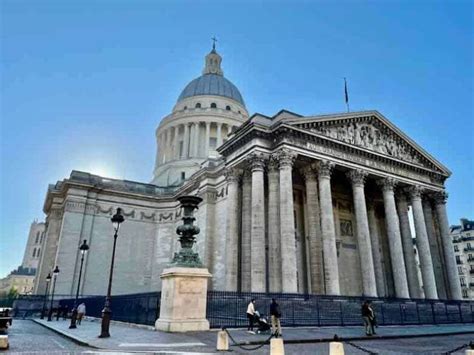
(228, 309)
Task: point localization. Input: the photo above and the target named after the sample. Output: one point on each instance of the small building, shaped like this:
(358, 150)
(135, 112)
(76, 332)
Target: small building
(463, 244)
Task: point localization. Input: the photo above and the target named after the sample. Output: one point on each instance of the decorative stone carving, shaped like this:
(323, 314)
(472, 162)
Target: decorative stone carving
(232, 174)
(325, 168)
(357, 177)
(144, 216)
(308, 172)
(415, 191)
(440, 197)
(345, 226)
(285, 157)
(368, 136)
(387, 184)
(272, 164)
(257, 161)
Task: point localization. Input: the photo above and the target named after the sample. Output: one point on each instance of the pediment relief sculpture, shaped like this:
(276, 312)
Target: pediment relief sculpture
(369, 136)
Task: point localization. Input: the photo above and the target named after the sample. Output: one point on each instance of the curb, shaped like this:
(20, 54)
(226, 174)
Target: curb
(66, 335)
(364, 338)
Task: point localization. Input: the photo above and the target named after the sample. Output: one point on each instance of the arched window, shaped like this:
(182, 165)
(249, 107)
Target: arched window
(198, 105)
(37, 237)
(213, 105)
(227, 108)
(34, 252)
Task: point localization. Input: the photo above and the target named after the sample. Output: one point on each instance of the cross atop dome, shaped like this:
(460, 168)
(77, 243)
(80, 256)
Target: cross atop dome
(213, 61)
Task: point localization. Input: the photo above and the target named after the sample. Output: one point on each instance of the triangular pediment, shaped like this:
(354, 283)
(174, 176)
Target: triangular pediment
(373, 132)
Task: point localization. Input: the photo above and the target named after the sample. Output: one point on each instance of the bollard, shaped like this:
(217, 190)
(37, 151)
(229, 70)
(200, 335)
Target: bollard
(222, 341)
(3, 342)
(336, 348)
(277, 347)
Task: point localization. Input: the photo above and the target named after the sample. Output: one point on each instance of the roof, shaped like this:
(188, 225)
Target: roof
(212, 84)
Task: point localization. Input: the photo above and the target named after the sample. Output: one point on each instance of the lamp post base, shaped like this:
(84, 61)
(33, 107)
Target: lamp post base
(106, 315)
(50, 315)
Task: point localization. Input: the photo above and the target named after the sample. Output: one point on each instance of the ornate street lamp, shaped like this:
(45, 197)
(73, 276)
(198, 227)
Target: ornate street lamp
(116, 219)
(83, 249)
(55, 276)
(48, 279)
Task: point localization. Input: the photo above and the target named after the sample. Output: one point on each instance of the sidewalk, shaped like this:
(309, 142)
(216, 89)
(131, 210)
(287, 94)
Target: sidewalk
(131, 338)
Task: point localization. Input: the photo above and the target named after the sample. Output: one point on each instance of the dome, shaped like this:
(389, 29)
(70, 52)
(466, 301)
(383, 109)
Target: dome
(212, 84)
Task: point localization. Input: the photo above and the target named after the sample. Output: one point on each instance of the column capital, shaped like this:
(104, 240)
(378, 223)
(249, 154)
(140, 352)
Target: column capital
(309, 172)
(357, 177)
(387, 184)
(325, 168)
(285, 157)
(232, 174)
(440, 197)
(415, 191)
(246, 176)
(272, 164)
(257, 161)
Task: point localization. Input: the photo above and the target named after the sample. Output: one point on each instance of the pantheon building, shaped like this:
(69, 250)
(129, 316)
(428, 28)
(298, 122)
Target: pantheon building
(295, 204)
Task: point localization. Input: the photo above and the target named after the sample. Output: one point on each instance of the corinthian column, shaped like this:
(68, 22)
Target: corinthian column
(449, 258)
(331, 270)
(208, 137)
(258, 224)
(408, 250)
(274, 247)
(232, 229)
(289, 279)
(357, 178)
(434, 248)
(429, 282)
(246, 230)
(394, 239)
(219, 134)
(186, 141)
(314, 230)
(376, 253)
(196, 140)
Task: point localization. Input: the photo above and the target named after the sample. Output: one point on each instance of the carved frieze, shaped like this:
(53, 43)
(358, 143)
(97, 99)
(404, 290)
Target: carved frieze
(369, 136)
(150, 217)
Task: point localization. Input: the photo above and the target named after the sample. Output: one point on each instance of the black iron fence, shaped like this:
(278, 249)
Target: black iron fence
(228, 309)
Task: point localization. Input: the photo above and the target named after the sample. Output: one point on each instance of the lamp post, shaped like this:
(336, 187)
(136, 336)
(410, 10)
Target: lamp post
(55, 276)
(83, 249)
(48, 279)
(116, 219)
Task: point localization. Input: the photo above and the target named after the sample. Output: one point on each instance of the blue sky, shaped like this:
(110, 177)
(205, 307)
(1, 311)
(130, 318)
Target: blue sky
(84, 84)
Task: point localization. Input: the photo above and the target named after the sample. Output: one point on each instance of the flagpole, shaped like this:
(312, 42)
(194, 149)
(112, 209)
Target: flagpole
(346, 95)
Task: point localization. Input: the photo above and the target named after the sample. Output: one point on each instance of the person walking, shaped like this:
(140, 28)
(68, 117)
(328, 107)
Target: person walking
(81, 311)
(366, 316)
(275, 314)
(373, 320)
(251, 315)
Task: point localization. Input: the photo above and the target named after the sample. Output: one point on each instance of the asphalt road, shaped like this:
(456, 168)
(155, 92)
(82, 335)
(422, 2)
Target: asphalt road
(27, 337)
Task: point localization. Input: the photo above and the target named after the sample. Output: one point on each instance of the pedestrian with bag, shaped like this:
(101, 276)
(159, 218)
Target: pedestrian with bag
(275, 314)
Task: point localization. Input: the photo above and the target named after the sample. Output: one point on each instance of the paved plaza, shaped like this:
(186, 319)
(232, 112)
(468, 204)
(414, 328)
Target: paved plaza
(39, 336)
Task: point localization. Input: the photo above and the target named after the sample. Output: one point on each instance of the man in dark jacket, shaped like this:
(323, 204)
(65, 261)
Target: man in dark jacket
(275, 313)
(369, 318)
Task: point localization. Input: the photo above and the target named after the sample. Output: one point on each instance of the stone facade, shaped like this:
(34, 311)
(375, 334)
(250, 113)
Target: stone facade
(293, 204)
(463, 246)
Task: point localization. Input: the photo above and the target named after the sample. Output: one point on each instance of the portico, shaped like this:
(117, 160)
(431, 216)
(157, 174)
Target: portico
(359, 175)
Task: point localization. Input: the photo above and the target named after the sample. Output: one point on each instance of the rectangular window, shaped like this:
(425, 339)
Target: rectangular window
(181, 149)
(456, 248)
(183, 175)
